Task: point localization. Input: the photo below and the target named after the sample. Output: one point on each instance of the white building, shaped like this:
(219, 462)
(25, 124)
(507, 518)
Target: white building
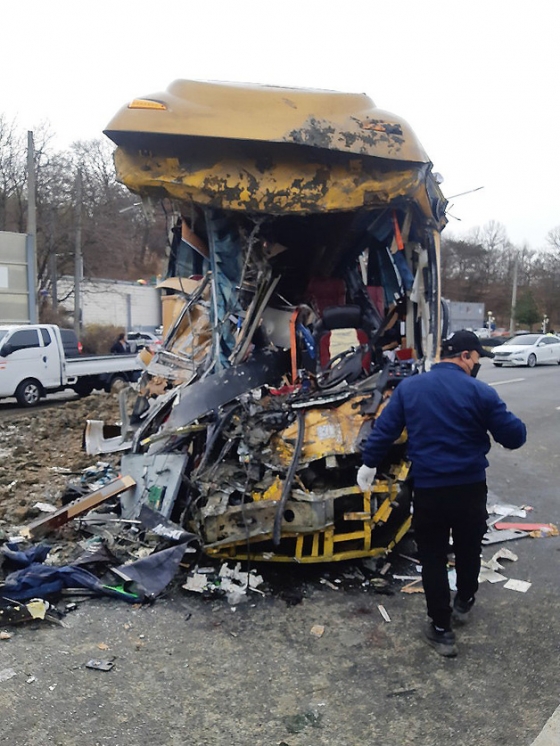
(113, 302)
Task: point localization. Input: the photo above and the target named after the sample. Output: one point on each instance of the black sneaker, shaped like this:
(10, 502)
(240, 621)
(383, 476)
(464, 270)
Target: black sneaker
(461, 610)
(443, 642)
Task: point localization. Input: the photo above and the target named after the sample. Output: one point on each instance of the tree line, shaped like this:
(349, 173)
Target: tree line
(481, 267)
(119, 241)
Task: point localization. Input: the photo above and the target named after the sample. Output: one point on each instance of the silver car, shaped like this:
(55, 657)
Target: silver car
(529, 350)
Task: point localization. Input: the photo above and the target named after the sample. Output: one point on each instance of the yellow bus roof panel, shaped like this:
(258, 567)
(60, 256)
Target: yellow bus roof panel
(330, 120)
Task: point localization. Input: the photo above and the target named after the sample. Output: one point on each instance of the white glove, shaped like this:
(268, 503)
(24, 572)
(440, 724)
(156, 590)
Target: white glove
(365, 477)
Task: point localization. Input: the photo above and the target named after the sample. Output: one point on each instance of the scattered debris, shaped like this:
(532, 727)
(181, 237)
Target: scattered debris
(403, 692)
(497, 536)
(383, 612)
(5, 635)
(414, 560)
(298, 723)
(518, 585)
(490, 575)
(535, 529)
(38, 608)
(230, 582)
(197, 583)
(385, 569)
(45, 507)
(503, 553)
(6, 674)
(101, 665)
(328, 583)
(15, 612)
(544, 532)
(503, 509)
(317, 630)
(414, 587)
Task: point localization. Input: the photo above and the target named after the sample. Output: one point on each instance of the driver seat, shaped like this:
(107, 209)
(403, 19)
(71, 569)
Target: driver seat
(340, 334)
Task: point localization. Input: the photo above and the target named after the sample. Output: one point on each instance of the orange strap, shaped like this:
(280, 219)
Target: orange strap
(293, 343)
(398, 234)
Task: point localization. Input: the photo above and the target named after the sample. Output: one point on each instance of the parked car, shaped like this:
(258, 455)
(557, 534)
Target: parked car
(139, 340)
(482, 333)
(529, 350)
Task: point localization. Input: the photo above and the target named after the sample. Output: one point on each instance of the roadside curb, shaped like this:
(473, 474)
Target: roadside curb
(550, 734)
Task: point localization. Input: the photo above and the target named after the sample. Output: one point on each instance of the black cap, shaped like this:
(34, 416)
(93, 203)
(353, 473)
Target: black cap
(461, 341)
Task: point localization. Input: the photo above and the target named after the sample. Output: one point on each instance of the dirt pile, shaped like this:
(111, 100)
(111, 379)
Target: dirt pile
(41, 451)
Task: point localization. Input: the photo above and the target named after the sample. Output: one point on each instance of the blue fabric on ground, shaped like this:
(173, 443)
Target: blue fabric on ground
(39, 581)
(25, 557)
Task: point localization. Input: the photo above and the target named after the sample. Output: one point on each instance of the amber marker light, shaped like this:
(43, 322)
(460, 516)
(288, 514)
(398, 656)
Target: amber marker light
(146, 103)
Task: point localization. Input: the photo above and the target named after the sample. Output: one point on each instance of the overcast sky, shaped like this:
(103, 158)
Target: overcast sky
(477, 80)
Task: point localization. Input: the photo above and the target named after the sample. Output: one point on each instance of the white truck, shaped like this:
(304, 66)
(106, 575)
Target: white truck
(33, 363)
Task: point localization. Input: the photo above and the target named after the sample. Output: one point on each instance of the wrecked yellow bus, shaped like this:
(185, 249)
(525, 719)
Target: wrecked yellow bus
(302, 286)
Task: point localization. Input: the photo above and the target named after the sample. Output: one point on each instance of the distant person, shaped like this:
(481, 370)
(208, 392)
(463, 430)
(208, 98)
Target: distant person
(120, 346)
(448, 415)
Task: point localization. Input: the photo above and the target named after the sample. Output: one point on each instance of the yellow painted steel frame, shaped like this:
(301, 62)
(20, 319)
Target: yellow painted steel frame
(331, 544)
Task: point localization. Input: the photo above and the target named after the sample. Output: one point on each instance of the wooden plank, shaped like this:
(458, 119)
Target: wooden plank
(48, 523)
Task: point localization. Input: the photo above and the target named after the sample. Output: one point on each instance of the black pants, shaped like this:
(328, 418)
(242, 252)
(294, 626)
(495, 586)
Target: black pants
(439, 511)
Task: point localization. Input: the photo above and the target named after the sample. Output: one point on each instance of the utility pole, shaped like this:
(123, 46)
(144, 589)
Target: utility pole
(53, 270)
(54, 280)
(31, 232)
(78, 264)
(513, 297)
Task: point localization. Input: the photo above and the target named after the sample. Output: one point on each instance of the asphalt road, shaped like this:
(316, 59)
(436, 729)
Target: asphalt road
(194, 672)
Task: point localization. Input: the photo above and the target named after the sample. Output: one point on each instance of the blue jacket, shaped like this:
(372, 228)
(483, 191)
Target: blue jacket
(448, 415)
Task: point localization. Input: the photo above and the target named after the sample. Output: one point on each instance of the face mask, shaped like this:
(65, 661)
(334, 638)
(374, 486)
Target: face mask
(475, 369)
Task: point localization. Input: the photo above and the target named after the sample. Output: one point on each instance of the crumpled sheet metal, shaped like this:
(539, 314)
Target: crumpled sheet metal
(328, 432)
(96, 442)
(286, 185)
(202, 397)
(157, 481)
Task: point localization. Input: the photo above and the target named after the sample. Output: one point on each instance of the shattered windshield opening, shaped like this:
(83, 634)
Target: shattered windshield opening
(277, 354)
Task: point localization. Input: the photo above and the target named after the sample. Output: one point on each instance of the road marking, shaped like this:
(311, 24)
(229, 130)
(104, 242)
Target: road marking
(511, 380)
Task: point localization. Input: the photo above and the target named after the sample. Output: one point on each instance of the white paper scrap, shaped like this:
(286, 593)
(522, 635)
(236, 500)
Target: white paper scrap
(518, 585)
(505, 553)
(196, 583)
(507, 510)
(45, 507)
(490, 575)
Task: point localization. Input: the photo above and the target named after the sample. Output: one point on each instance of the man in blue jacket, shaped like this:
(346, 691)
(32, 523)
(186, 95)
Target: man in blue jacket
(448, 415)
